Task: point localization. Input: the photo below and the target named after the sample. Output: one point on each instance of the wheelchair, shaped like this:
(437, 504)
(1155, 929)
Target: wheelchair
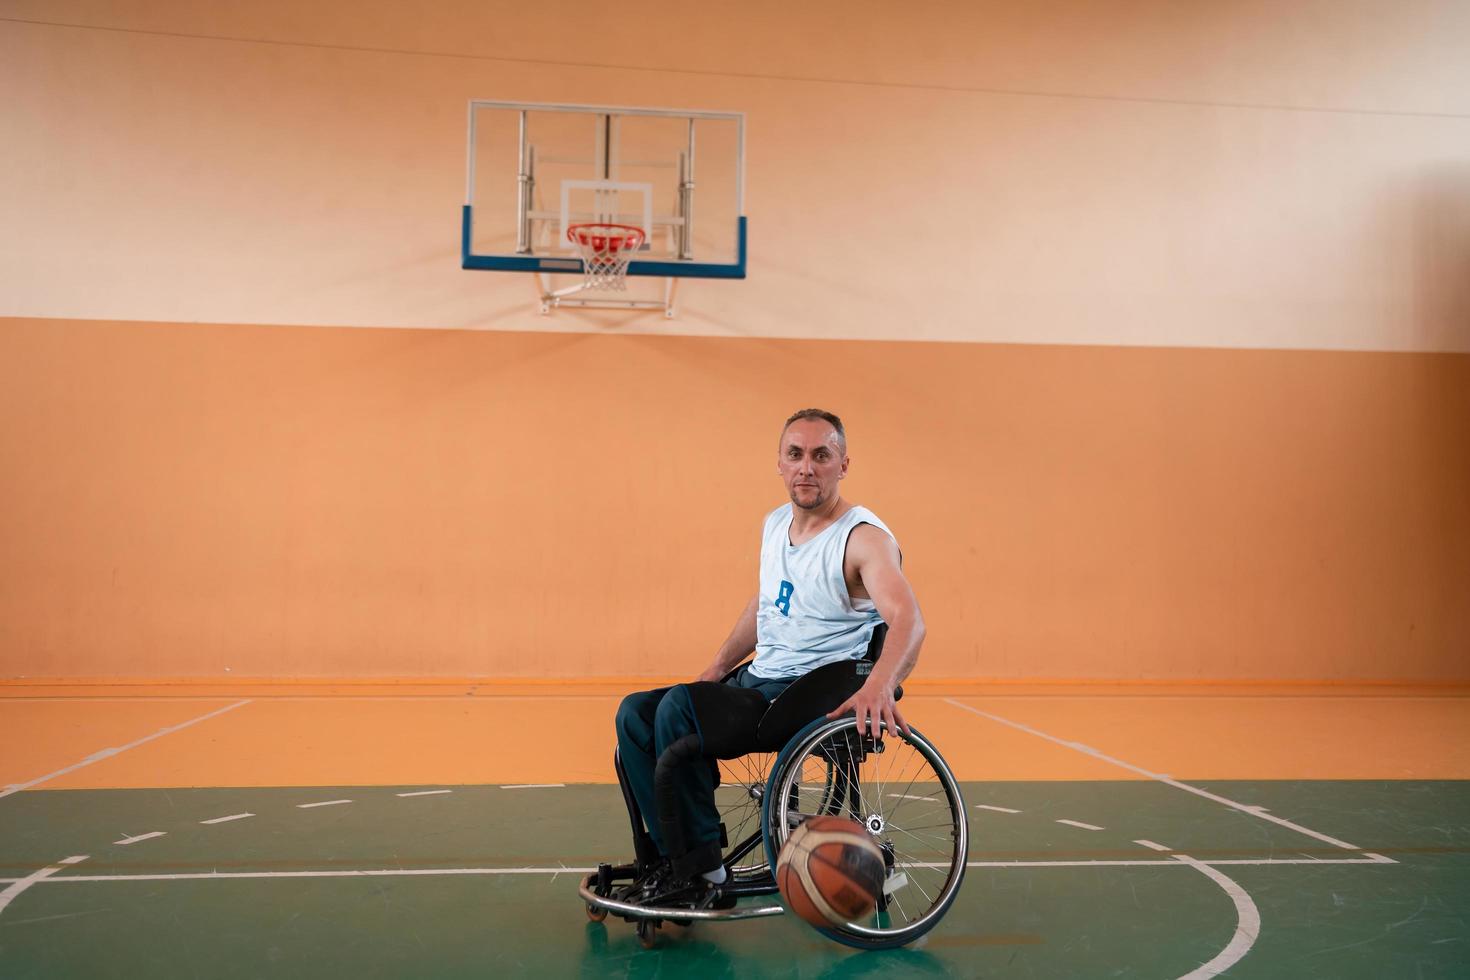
(799, 765)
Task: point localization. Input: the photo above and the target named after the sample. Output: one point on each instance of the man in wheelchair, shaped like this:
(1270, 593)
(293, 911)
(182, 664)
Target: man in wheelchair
(831, 586)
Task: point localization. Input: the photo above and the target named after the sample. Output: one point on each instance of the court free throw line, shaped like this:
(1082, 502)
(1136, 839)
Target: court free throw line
(101, 754)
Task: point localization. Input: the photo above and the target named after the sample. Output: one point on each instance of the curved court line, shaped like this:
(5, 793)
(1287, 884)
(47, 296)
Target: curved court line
(101, 754)
(1167, 780)
(1247, 922)
(19, 885)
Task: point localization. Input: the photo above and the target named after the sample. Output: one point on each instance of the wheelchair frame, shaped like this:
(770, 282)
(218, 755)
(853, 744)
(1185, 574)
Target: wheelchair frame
(648, 901)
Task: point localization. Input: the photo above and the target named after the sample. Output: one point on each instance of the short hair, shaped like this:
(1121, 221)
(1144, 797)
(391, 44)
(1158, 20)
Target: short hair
(825, 416)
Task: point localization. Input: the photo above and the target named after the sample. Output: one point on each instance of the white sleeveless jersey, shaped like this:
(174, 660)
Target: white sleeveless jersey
(806, 618)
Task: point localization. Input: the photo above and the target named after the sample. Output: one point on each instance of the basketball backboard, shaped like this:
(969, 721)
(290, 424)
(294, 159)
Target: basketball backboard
(535, 169)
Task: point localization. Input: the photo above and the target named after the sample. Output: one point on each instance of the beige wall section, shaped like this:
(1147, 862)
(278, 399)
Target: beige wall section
(187, 499)
(1236, 174)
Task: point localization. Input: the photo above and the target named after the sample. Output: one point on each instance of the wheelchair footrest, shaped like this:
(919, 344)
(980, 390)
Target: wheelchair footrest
(627, 908)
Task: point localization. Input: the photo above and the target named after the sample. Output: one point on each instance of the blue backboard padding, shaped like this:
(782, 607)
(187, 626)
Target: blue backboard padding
(536, 263)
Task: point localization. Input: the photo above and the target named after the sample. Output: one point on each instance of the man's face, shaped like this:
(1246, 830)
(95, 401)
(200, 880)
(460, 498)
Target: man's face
(811, 462)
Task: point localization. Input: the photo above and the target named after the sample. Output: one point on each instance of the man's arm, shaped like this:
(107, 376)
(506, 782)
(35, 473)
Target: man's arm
(875, 558)
(737, 645)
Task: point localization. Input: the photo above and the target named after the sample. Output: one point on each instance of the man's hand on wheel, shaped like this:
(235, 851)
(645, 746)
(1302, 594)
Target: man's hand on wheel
(873, 703)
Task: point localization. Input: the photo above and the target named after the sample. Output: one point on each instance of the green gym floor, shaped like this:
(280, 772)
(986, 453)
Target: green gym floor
(1123, 857)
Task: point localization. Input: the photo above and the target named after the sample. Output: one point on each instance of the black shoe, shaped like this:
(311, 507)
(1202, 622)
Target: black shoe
(698, 895)
(682, 893)
(656, 878)
(658, 869)
(646, 882)
(712, 896)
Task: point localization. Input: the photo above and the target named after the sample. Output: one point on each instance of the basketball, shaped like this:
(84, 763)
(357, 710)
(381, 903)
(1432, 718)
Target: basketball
(830, 871)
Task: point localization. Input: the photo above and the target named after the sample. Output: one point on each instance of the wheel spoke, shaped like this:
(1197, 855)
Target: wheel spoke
(890, 786)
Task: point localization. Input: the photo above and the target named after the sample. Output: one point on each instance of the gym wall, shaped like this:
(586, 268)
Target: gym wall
(1151, 325)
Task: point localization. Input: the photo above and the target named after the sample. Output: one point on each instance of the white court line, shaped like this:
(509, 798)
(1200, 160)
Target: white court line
(374, 873)
(1247, 922)
(1168, 781)
(1140, 863)
(308, 806)
(121, 697)
(431, 872)
(1079, 823)
(133, 840)
(534, 786)
(1160, 863)
(426, 792)
(18, 885)
(233, 816)
(1251, 862)
(997, 809)
(1151, 845)
(101, 754)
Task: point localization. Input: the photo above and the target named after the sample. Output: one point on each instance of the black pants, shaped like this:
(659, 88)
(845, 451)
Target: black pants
(667, 740)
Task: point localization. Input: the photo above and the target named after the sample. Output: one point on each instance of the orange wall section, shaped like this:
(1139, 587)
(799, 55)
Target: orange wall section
(216, 500)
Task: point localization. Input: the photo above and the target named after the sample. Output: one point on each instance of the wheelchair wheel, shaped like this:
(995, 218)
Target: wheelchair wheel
(738, 797)
(900, 789)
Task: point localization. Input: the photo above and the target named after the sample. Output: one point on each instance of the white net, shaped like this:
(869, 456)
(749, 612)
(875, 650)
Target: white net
(605, 251)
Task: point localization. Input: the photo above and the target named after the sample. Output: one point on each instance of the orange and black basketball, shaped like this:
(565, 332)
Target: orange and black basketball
(830, 871)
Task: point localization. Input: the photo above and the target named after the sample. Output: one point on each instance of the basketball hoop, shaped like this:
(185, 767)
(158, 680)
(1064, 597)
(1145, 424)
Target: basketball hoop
(605, 250)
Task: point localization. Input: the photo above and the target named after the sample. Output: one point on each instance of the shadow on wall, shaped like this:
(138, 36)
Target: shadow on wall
(1441, 257)
(1441, 391)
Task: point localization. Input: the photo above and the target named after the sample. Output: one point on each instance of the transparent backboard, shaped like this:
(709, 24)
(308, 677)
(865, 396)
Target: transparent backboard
(536, 169)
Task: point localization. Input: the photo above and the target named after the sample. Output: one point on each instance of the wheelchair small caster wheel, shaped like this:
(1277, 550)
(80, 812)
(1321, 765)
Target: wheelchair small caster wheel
(596, 912)
(647, 933)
